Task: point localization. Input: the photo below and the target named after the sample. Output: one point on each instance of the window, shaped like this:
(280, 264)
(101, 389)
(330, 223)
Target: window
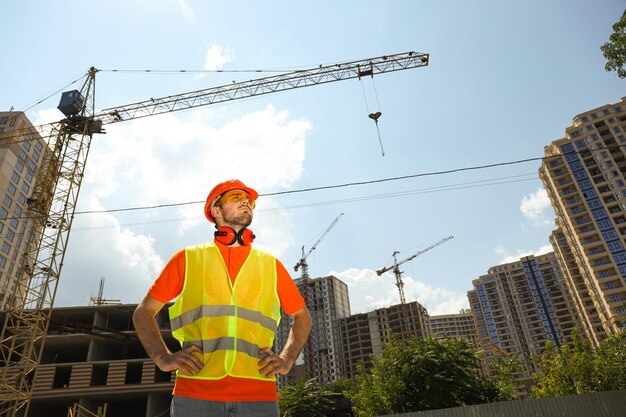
(22, 155)
(25, 187)
(10, 235)
(32, 166)
(38, 146)
(620, 258)
(35, 155)
(15, 177)
(11, 189)
(13, 223)
(5, 248)
(19, 166)
(26, 145)
(581, 220)
(4, 120)
(597, 249)
(7, 201)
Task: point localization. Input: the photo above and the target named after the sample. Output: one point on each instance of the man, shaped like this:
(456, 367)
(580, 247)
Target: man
(225, 316)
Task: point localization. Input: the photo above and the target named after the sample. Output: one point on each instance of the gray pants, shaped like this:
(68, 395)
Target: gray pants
(192, 407)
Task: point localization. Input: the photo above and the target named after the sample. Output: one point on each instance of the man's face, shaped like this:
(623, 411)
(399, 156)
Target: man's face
(236, 208)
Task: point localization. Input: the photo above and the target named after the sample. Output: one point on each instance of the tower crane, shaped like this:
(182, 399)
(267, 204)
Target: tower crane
(55, 194)
(308, 350)
(396, 266)
(302, 262)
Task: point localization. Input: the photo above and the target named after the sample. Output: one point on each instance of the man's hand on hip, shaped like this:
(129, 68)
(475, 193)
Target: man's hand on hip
(272, 364)
(183, 360)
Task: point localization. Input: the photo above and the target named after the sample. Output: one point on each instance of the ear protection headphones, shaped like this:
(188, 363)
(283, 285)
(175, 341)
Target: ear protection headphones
(228, 236)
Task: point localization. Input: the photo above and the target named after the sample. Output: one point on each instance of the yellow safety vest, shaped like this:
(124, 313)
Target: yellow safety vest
(229, 322)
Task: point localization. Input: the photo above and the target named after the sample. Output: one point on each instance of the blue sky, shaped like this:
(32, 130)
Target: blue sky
(504, 80)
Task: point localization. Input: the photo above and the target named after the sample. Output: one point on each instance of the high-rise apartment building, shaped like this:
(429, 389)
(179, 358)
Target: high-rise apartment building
(584, 174)
(574, 280)
(519, 306)
(328, 301)
(20, 158)
(363, 335)
(455, 326)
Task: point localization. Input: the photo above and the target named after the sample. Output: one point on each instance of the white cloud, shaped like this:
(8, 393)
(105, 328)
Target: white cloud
(100, 247)
(187, 11)
(537, 208)
(172, 159)
(368, 292)
(508, 257)
(217, 57)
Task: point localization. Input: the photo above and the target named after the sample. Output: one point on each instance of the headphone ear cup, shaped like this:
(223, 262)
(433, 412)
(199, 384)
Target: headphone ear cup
(245, 237)
(226, 236)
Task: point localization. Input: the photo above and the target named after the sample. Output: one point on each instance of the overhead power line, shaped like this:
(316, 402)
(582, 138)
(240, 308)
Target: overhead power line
(472, 184)
(451, 187)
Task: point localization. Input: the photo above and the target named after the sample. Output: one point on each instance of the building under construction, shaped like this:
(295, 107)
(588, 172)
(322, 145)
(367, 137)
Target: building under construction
(363, 335)
(328, 303)
(455, 326)
(92, 358)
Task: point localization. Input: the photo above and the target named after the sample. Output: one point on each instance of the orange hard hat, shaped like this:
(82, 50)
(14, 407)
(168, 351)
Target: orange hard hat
(222, 188)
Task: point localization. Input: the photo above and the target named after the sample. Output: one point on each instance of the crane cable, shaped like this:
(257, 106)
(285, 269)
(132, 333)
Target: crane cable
(374, 116)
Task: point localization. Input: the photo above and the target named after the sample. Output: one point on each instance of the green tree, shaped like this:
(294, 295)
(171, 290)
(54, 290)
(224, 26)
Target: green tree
(302, 399)
(565, 371)
(553, 372)
(421, 375)
(504, 371)
(615, 49)
(610, 364)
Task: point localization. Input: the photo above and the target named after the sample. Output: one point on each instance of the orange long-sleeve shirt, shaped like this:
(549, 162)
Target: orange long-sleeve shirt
(169, 285)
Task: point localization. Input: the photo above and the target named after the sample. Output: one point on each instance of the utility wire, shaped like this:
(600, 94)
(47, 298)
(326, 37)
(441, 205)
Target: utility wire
(61, 88)
(450, 187)
(344, 185)
(428, 190)
(324, 187)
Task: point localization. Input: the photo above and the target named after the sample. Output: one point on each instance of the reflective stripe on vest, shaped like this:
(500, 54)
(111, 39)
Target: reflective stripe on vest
(230, 322)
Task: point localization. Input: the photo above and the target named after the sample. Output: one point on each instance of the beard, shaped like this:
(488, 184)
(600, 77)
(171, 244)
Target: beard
(242, 219)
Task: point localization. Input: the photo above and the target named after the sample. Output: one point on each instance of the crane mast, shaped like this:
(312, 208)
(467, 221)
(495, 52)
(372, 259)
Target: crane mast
(51, 208)
(53, 202)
